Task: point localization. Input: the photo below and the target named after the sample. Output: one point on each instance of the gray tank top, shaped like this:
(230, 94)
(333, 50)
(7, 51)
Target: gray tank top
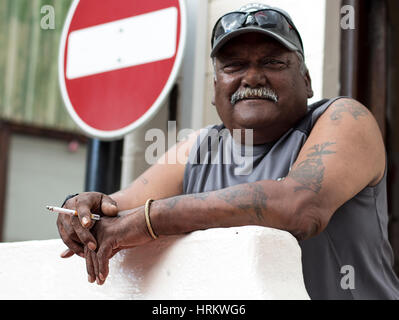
(352, 257)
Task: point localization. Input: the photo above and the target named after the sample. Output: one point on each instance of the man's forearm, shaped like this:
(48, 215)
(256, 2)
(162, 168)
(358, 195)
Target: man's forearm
(263, 203)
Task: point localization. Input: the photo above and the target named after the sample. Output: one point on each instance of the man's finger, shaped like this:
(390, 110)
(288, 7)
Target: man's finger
(109, 206)
(91, 277)
(67, 253)
(83, 234)
(84, 215)
(73, 246)
(103, 256)
(96, 270)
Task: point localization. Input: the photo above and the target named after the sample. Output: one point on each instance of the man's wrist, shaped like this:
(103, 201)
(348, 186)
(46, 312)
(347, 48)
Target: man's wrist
(69, 197)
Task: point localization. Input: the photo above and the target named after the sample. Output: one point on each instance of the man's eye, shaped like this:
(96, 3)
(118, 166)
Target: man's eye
(232, 66)
(274, 63)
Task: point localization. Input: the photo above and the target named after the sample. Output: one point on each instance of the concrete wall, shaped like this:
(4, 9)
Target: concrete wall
(231, 263)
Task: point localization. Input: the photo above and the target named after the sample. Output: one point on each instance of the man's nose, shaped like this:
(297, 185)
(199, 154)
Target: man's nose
(254, 77)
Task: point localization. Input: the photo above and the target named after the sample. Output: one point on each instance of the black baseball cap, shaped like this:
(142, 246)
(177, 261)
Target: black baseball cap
(257, 17)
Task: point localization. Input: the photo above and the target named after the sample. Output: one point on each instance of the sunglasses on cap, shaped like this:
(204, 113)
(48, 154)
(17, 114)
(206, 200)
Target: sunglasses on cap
(267, 21)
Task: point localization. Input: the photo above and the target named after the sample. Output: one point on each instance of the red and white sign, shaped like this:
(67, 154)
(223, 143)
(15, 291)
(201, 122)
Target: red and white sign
(118, 61)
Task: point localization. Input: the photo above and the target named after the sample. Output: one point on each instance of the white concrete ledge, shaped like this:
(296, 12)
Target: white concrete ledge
(233, 263)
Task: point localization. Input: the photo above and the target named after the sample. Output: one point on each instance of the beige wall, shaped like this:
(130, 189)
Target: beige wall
(40, 172)
(332, 36)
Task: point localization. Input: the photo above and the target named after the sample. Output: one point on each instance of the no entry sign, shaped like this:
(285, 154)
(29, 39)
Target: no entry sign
(118, 61)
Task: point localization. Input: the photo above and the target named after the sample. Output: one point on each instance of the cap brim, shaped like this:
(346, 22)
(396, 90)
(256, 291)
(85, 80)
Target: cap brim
(238, 32)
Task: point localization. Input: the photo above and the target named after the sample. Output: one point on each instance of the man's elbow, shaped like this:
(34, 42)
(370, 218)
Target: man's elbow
(307, 220)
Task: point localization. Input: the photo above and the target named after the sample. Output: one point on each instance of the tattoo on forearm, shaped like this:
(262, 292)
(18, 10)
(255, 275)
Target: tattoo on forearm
(355, 110)
(143, 180)
(248, 197)
(200, 196)
(310, 173)
(171, 202)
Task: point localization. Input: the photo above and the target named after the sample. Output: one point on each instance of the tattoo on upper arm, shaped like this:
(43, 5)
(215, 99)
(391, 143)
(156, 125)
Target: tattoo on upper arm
(310, 172)
(350, 107)
(143, 180)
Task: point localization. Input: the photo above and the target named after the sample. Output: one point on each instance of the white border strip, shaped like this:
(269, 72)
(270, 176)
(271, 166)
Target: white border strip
(117, 44)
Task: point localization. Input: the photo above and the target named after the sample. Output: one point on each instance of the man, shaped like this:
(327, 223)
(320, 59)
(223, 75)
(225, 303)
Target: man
(318, 172)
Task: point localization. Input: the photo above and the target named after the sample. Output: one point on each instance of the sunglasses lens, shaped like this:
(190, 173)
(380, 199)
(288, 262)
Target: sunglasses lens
(228, 23)
(268, 19)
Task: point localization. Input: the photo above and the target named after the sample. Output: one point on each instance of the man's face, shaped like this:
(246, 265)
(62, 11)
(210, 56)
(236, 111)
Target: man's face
(254, 61)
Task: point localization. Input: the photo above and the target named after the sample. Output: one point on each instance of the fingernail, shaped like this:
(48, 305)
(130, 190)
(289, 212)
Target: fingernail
(98, 281)
(85, 221)
(100, 275)
(64, 253)
(90, 278)
(91, 246)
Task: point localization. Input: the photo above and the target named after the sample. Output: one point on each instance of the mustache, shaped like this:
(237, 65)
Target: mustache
(247, 93)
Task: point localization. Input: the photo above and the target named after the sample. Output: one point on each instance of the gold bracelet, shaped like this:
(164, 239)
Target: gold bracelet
(147, 218)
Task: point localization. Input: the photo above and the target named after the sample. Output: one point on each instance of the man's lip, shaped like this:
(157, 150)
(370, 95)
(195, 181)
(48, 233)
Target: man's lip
(255, 98)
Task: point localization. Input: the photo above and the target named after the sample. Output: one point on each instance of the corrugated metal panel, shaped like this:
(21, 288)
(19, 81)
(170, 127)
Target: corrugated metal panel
(29, 90)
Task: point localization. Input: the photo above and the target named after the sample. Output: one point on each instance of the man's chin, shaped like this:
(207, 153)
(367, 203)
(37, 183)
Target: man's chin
(256, 116)
(253, 123)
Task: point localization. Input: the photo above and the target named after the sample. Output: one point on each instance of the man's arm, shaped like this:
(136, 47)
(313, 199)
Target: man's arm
(343, 154)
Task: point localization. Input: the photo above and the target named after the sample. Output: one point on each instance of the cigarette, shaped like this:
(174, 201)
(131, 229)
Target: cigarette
(69, 211)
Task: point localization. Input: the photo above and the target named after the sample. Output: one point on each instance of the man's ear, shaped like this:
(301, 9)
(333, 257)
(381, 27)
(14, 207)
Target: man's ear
(214, 81)
(214, 88)
(308, 84)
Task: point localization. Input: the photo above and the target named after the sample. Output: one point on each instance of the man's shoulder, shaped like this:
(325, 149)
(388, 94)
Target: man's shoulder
(343, 103)
(334, 109)
(350, 106)
(341, 110)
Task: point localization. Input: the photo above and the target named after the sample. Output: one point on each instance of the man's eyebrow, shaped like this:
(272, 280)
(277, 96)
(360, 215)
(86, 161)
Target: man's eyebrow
(277, 51)
(224, 58)
(235, 54)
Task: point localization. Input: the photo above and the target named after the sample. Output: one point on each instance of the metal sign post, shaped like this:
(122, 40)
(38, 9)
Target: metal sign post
(103, 166)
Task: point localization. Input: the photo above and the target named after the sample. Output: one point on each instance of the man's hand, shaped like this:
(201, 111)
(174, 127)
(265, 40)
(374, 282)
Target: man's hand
(114, 234)
(74, 231)
(162, 180)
